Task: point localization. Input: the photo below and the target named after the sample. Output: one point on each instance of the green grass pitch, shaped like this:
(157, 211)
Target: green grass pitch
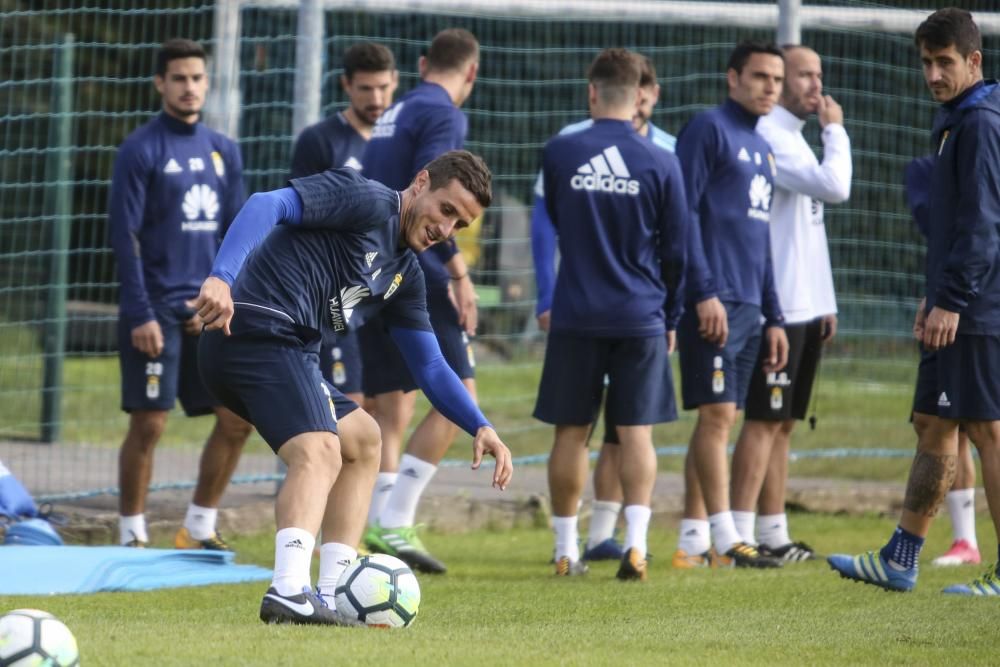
(500, 605)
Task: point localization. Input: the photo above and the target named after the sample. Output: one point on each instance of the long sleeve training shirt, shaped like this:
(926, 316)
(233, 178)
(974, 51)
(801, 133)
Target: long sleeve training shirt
(175, 188)
(729, 175)
(802, 273)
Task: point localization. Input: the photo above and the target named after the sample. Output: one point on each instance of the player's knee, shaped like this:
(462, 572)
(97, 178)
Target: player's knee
(984, 435)
(316, 453)
(146, 427)
(363, 442)
(233, 429)
(717, 416)
(920, 424)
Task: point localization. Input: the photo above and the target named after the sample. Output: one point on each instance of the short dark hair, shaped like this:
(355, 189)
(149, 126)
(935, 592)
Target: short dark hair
(614, 73)
(647, 73)
(468, 169)
(946, 27)
(367, 57)
(175, 49)
(452, 49)
(741, 54)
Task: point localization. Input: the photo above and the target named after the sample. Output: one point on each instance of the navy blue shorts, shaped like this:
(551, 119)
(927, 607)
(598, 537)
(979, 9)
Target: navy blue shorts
(960, 381)
(340, 361)
(640, 388)
(785, 395)
(267, 372)
(383, 367)
(713, 375)
(156, 384)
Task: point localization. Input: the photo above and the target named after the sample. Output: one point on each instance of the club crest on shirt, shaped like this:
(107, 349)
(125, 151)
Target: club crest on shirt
(220, 166)
(396, 282)
(944, 138)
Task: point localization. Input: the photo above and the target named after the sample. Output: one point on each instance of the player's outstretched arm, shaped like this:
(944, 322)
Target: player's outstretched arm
(488, 442)
(447, 393)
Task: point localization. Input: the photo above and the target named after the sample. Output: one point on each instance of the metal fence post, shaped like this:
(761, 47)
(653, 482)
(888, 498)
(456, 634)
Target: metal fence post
(58, 204)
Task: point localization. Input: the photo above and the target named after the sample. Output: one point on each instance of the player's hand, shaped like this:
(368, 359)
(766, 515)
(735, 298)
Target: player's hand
(465, 302)
(488, 442)
(919, 320)
(545, 320)
(671, 341)
(940, 328)
(828, 328)
(214, 304)
(777, 349)
(713, 324)
(829, 112)
(148, 339)
(192, 326)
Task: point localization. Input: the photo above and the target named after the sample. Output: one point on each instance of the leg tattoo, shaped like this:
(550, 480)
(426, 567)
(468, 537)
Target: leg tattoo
(930, 478)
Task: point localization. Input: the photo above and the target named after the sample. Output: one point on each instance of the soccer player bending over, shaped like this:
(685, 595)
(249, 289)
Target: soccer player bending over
(326, 254)
(958, 319)
(617, 203)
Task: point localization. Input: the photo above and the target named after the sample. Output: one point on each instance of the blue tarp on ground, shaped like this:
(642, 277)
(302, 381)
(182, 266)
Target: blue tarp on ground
(35, 570)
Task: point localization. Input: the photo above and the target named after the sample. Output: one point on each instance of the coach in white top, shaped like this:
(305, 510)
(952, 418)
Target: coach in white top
(804, 280)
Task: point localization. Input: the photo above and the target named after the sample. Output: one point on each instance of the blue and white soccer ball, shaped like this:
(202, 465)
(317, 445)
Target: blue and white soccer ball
(380, 591)
(29, 638)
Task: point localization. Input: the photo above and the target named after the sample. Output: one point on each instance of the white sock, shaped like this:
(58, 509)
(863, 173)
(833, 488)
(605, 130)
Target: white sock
(566, 537)
(772, 530)
(132, 528)
(962, 510)
(383, 487)
(200, 521)
(637, 527)
(401, 506)
(724, 534)
(293, 550)
(695, 537)
(333, 560)
(744, 525)
(603, 517)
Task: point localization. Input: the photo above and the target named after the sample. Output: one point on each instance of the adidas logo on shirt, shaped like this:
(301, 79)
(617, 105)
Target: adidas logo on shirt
(743, 155)
(172, 167)
(943, 401)
(605, 172)
(385, 126)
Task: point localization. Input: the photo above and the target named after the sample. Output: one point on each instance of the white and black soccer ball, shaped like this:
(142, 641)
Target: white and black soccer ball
(379, 590)
(29, 637)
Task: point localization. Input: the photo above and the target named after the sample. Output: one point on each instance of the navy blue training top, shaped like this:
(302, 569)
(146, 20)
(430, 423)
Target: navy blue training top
(328, 144)
(335, 282)
(325, 255)
(421, 126)
(617, 202)
(176, 187)
(729, 175)
(543, 235)
(963, 222)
